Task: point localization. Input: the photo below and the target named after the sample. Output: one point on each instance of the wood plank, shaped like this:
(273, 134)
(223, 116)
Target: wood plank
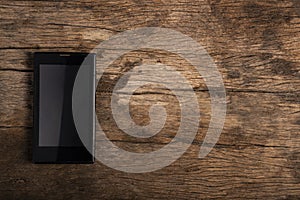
(210, 19)
(252, 172)
(271, 75)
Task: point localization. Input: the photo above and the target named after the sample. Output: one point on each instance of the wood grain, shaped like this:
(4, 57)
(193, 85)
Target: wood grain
(255, 45)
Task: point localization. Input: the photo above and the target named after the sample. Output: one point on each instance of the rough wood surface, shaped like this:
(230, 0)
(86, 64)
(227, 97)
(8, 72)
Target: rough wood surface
(255, 45)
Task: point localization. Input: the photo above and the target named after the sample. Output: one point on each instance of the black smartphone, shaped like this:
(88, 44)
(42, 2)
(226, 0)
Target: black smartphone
(56, 138)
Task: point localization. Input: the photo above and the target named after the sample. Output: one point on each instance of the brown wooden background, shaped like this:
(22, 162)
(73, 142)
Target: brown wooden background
(256, 46)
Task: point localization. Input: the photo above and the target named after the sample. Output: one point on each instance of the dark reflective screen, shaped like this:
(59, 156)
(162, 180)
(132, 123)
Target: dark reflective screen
(56, 126)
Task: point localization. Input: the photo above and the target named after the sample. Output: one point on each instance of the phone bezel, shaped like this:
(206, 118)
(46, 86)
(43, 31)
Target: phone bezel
(61, 154)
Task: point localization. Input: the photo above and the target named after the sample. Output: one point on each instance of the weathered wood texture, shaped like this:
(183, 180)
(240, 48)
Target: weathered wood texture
(255, 45)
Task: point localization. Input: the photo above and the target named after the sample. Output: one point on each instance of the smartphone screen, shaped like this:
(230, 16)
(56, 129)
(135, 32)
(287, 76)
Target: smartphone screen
(56, 139)
(55, 113)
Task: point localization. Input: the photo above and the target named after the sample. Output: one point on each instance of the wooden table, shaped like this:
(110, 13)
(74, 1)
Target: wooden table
(255, 45)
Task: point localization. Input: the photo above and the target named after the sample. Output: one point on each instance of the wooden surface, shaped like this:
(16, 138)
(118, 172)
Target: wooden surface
(255, 45)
